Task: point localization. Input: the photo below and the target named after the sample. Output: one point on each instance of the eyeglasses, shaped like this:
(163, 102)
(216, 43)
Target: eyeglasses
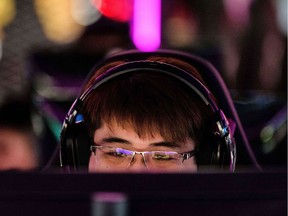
(113, 157)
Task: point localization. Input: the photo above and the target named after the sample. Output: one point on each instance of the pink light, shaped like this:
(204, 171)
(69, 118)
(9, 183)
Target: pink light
(146, 25)
(238, 10)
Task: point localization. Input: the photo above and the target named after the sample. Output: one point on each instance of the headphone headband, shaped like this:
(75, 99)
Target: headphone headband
(155, 67)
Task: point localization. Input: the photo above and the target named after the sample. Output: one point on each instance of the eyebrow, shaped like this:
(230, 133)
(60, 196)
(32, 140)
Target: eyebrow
(157, 144)
(115, 139)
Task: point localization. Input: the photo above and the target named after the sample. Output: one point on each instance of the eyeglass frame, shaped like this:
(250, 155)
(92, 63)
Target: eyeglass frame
(185, 155)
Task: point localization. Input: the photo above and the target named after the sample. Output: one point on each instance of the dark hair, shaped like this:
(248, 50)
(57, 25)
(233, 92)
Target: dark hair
(150, 103)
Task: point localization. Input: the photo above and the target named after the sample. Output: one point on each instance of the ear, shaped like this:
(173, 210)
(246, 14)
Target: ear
(92, 163)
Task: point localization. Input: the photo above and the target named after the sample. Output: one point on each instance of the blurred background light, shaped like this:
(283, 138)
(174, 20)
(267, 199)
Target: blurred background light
(7, 12)
(57, 22)
(238, 11)
(120, 10)
(183, 21)
(84, 12)
(281, 7)
(146, 24)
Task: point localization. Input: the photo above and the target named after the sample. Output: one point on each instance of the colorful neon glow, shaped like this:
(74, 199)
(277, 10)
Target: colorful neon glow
(146, 25)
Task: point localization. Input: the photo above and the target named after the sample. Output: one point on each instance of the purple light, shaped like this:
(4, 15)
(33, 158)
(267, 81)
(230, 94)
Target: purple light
(146, 25)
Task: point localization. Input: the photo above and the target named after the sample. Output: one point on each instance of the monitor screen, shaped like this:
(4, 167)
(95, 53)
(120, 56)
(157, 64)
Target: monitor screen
(234, 194)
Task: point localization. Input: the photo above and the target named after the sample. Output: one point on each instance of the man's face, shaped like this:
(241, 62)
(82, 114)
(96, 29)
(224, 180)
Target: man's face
(117, 146)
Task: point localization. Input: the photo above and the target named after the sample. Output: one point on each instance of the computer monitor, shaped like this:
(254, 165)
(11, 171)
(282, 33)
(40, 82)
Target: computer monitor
(233, 194)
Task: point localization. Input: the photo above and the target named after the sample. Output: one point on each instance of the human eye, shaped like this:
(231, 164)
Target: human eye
(164, 156)
(117, 152)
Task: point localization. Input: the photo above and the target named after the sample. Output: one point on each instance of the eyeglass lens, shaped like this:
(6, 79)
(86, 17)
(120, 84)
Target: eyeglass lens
(121, 158)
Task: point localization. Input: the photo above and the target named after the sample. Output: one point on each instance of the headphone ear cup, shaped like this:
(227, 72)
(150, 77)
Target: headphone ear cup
(75, 147)
(219, 155)
(213, 157)
(224, 152)
(83, 142)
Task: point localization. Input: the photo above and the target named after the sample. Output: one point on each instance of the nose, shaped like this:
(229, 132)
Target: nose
(137, 163)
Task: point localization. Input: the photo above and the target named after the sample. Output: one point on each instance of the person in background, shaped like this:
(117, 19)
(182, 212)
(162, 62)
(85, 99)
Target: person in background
(18, 145)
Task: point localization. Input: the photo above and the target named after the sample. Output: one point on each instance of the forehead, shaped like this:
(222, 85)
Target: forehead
(127, 135)
(124, 131)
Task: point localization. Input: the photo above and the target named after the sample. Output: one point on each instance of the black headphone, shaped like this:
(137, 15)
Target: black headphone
(75, 140)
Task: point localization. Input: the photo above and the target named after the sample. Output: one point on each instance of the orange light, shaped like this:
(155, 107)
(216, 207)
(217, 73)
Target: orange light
(7, 12)
(56, 20)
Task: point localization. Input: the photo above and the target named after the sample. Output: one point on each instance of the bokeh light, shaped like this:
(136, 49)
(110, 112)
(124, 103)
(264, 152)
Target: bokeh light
(146, 24)
(120, 10)
(57, 22)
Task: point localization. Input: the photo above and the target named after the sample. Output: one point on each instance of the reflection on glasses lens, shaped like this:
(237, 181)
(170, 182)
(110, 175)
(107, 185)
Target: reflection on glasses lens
(114, 157)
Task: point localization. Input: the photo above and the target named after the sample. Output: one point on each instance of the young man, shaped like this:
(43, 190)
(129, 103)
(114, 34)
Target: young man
(152, 113)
